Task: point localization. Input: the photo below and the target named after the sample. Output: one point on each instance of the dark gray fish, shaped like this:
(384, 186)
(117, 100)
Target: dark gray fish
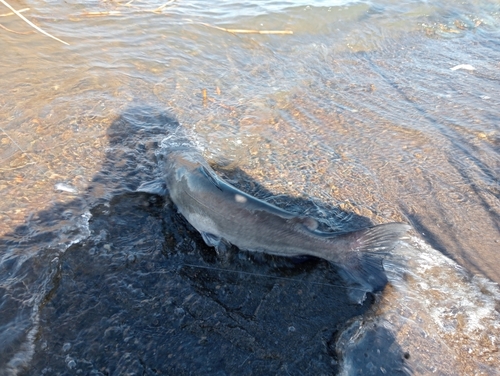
(221, 212)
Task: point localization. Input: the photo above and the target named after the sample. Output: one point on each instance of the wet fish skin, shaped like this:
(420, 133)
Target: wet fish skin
(221, 212)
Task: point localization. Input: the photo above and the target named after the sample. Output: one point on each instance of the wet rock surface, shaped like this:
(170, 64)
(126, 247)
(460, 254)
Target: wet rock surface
(144, 295)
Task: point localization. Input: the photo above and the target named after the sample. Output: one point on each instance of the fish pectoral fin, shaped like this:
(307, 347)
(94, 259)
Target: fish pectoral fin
(155, 187)
(211, 240)
(215, 241)
(209, 175)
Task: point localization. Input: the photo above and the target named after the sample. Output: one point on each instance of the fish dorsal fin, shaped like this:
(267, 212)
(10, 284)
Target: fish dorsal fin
(210, 176)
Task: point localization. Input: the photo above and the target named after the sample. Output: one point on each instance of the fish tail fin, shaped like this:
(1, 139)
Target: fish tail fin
(362, 258)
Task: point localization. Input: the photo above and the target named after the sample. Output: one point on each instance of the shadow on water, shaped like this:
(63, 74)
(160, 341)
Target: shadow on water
(138, 292)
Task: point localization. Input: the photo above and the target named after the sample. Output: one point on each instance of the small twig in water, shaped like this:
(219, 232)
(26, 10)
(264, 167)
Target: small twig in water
(31, 23)
(16, 32)
(247, 31)
(163, 6)
(99, 14)
(17, 168)
(12, 13)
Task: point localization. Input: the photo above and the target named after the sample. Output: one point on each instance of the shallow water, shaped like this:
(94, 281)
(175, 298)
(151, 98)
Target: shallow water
(355, 118)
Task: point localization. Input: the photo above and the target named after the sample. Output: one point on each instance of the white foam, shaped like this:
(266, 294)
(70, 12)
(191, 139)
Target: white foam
(21, 359)
(65, 188)
(440, 314)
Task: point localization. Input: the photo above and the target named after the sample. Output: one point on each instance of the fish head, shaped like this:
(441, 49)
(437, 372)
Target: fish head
(178, 158)
(171, 147)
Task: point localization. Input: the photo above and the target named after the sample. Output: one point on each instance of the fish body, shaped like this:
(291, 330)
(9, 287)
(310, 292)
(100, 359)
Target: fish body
(221, 212)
